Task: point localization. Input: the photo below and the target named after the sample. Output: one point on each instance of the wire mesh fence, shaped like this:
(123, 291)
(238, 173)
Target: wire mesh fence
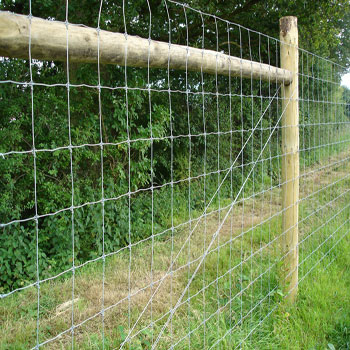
(141, 207)
(324, 144)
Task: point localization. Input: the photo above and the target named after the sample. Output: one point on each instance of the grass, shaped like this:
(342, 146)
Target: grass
(235, 299)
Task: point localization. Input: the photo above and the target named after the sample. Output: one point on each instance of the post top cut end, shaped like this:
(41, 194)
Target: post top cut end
(286, 23)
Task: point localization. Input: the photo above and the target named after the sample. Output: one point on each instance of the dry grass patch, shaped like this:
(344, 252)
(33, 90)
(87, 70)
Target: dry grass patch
(151, 281)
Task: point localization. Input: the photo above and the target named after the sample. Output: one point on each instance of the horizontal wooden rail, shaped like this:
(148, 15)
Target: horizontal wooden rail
(49, 43)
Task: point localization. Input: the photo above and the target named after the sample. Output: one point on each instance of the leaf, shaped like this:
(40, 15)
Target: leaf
(122, 333)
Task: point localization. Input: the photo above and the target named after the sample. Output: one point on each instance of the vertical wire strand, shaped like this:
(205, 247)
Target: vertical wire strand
(98, 29)
(204, 181)
(189, 179)
(242, 172)
(253, 177)
(71, 173)
(314, 112)
(262, 169)
(129, 165)
(152, 164)
(302, 155)
(218, 175)
(329, 127)
(320, 146)
(171, 176)
(270, 170)
(231, 178)
(31, 83)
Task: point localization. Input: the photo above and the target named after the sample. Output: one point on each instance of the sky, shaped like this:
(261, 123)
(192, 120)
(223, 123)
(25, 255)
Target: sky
(345, 80)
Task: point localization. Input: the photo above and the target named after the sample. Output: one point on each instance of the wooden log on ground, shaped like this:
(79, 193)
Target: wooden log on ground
(49, 43)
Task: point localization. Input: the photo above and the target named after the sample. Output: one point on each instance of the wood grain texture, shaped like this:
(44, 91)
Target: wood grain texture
(49, 42)
(290, 157)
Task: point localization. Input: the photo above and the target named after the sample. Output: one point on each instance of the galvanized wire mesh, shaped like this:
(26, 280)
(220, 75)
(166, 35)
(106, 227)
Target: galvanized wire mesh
(187, 230)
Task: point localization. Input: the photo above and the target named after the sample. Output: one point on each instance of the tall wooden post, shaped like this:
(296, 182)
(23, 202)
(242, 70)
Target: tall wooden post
(290, 157)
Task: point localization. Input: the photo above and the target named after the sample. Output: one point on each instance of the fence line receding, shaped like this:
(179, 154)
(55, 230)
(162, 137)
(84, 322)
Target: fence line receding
(165, 185)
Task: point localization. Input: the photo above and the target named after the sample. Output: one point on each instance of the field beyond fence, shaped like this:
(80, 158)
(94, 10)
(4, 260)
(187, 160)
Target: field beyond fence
(168, 187)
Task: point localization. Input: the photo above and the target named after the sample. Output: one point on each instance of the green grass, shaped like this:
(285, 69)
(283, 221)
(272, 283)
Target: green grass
(321, 317)
(236, 299)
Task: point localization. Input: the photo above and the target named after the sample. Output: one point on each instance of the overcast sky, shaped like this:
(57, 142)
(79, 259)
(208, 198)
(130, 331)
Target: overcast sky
(345, 80)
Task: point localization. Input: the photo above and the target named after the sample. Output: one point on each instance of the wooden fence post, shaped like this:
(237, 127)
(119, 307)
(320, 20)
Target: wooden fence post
(290, 157)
